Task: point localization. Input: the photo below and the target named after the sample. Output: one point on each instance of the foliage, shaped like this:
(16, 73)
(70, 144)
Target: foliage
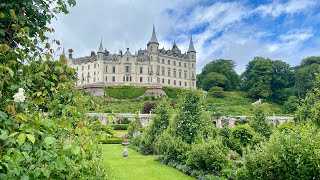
(243, 134)
(210, 157)
(305, 75)
(120, 126)
(220, 73)
(216, 91)
(135, 127)
(264, 78)
(290, 154)
(148, 107)
(44, 132)
(112, 141)
(187, 123)
(292, 104)
(173, 92)
(260, 124)
(310, 108)
(125, 92)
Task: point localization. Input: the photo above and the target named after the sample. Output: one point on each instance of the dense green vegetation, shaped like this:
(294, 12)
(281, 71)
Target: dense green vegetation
(125, 92)
(136, 166)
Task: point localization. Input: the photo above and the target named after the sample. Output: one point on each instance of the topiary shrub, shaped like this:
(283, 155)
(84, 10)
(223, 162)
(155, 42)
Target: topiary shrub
(125, 92)
(120, 126)
(216, 91)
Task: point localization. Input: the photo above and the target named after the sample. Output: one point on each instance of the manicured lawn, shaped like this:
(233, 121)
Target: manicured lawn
(136, 166)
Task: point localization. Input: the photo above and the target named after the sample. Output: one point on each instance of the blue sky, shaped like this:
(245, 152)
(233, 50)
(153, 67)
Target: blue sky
(239, 30)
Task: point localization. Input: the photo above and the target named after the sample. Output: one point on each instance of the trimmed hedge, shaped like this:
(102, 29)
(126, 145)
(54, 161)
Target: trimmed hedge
(112, 141)
(120, 126)
(125, 92)
(173, 92)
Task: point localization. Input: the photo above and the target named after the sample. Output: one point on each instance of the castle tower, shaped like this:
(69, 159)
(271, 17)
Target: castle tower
(100, 52)
(191, 51)
(153, 44)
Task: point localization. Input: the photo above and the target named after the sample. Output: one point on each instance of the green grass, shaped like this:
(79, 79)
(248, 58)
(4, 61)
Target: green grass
(120, 133)
(125, 92)
(136, 166)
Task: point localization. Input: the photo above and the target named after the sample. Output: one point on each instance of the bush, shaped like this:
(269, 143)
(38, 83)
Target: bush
(120, 126)
(243, 134)
(125, 92)
(292, 153)
(292, 104)
(148, 106)
(135, 128)
(216, 91)
(112, 141)
(210, 157)
(173, 92)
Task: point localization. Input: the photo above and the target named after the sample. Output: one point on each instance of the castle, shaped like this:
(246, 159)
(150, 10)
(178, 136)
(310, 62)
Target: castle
(152, 67)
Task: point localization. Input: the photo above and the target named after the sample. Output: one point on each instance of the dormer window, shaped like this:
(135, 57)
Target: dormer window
(127, 58)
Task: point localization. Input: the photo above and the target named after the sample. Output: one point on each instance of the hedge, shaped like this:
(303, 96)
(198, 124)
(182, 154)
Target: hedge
(120, 126)
(173, 92)
(125, 92)
(112, 141)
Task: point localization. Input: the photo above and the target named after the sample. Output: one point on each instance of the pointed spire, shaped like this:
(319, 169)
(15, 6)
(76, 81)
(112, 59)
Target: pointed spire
(63, 53)
(153, 37)
(100, 48)
(191, 47)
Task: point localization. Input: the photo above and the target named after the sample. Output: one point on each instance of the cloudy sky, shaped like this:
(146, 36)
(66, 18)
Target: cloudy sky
(231, 29)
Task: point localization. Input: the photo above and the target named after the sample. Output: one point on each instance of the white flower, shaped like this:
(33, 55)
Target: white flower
(19, 96)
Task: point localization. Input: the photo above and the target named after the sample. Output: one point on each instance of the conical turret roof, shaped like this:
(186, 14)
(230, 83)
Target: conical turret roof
(100, 47)
(153, 37)
(191, 47)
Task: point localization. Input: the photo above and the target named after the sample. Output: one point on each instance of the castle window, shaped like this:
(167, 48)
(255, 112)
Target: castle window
(168, 81)
(192, 74)
(162, 61)
(192, 65)
(185, 65)
(191, 56)
(174, 73)
(185, 83)
(106, 78)
(127, 69)
(179, 83)
(169, 72)
(174, 82)
(185, 75)
(127, 58)
(106, 69)
(163, 72)
(82, 67)
(162, 81)
(168, 62)
(130, 78)
(124, 78)
(141, 70)
(140, 79)
(174, 63)
(180, 74)
(127, 78)
(82, 75)
(95, 65)
(94, 73)
(113, 79)
(179, 64)
(88, 66)
(113, 69)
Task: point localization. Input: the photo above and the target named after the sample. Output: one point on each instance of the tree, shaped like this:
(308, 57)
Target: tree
(260, 124)
(214, 79)
(227, 77)
(305, 75)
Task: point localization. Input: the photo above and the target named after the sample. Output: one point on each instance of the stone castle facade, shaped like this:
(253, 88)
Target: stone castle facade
(152, 67)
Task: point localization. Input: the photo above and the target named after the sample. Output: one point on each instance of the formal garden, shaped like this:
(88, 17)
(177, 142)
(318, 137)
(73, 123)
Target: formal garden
(45, 132)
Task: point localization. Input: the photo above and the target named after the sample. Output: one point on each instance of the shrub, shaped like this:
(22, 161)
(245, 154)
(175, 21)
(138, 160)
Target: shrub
(292, 104)
(260, 123)
(125, 92)
(243, 134)
(148, 106)
(173, 92)
(210, 157)
(135, 128)
(120, 126)
(112, 141)
(288, 154)
(216, 91)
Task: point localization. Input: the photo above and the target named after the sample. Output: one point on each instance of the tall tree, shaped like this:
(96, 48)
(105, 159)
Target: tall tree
(257, 77)
(224, 75)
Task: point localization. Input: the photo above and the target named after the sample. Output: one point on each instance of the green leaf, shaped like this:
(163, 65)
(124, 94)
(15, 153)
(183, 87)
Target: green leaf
(31, 138)
(13, 134)
(50, 140)
(76, 150)
(25, 155)
(67, 146)
(4, 135)
(21, 139)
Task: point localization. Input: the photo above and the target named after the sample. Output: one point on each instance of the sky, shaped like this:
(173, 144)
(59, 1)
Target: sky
(239, 30)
